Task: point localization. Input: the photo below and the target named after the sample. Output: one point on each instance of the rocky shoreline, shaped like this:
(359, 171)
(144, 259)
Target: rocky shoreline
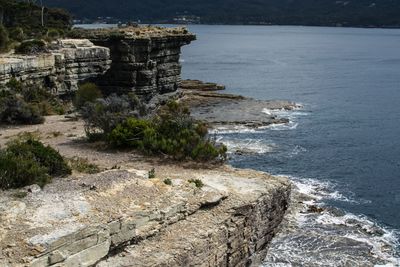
(189, 214)
(121, 217)
(226, 110)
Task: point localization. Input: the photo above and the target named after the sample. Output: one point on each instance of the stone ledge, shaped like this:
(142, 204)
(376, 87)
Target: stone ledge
(70, 225)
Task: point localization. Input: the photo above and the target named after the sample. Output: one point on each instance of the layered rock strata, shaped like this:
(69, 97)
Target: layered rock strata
(61, 69)
(145, 60)
(228, 222)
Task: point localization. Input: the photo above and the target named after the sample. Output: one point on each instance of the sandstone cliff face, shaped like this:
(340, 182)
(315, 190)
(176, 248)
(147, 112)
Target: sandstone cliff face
(229, 222)
(70, 62)
(144, 60)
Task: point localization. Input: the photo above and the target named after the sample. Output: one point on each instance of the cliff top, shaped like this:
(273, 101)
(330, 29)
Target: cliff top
(76, 219)
(133, 32)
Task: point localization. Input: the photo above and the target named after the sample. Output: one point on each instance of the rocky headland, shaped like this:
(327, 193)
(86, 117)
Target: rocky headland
(121, 216)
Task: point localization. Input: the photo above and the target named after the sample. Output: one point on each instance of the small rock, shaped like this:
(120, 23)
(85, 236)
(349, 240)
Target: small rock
(33, 188)
(315, 209)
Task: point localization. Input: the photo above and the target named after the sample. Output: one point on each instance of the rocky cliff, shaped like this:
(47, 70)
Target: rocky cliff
(228, 222)
(61, 69)
(145, 60)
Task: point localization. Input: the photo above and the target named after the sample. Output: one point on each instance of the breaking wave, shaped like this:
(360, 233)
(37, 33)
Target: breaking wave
(319, 235)
(247, 146)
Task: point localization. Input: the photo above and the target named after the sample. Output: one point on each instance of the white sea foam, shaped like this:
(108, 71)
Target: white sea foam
(291, 125)
(297, 150)
(234, 129)
(318, 189)
(250, 146)
(292, 115)
(383, 241)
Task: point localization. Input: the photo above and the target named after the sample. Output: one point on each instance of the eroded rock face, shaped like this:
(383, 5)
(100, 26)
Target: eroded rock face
(144, 60)
(228, 222)
(68, 63)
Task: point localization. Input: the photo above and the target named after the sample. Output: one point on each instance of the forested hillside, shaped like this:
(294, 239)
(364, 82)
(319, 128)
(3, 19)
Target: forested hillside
(28, 15)
(294, 12)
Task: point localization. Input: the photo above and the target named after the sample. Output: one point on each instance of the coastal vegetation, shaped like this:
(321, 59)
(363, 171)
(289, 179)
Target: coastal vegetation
(83, 165)
(197, 182)
(27, 104)
(124, 122)
(25, 20)
(172, 131)
(26, 161)
(87, 92)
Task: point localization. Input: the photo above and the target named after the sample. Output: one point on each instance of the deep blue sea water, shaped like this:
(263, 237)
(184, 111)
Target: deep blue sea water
(347, 79)
(346, 138)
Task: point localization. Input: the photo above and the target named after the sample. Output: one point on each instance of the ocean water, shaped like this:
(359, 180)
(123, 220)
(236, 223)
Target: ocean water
(343, 146)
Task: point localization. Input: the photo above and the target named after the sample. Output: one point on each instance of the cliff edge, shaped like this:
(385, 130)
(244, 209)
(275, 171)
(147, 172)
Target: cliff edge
(120, 216)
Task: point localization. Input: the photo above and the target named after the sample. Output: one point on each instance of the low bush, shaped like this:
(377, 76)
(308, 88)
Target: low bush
(172, 132)
(168, 181)
(31, 47)
(103, 115)
(87, 92)
(83, 166)
(21, 104)
(197, 182)
(152, 173)
(14, 110)
(26, 161)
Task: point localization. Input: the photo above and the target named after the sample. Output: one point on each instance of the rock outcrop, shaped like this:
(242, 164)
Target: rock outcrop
(145, 60)
(61, 69)
(228, 222)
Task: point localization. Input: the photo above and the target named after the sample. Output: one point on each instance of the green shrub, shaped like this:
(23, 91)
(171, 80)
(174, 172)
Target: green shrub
(27, 104)
(197, 182)
(83, 165)
(87, 92)
(152, 173)
(27, 161)
(31, 47)
(16, 171)
(173, 132)
(3, 39)
(130, 133)
(14, 110)
(47, 103)
(168, 181)
(46, 156)
(102, 116)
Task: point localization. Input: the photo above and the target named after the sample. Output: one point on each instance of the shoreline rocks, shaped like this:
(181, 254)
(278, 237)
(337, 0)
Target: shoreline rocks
(228, 110)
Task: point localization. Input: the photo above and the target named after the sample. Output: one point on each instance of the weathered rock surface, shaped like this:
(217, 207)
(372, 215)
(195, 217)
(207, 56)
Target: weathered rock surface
(228, 110)
(229, 222)
(200, 85)
(145, 60)
(67, 64)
